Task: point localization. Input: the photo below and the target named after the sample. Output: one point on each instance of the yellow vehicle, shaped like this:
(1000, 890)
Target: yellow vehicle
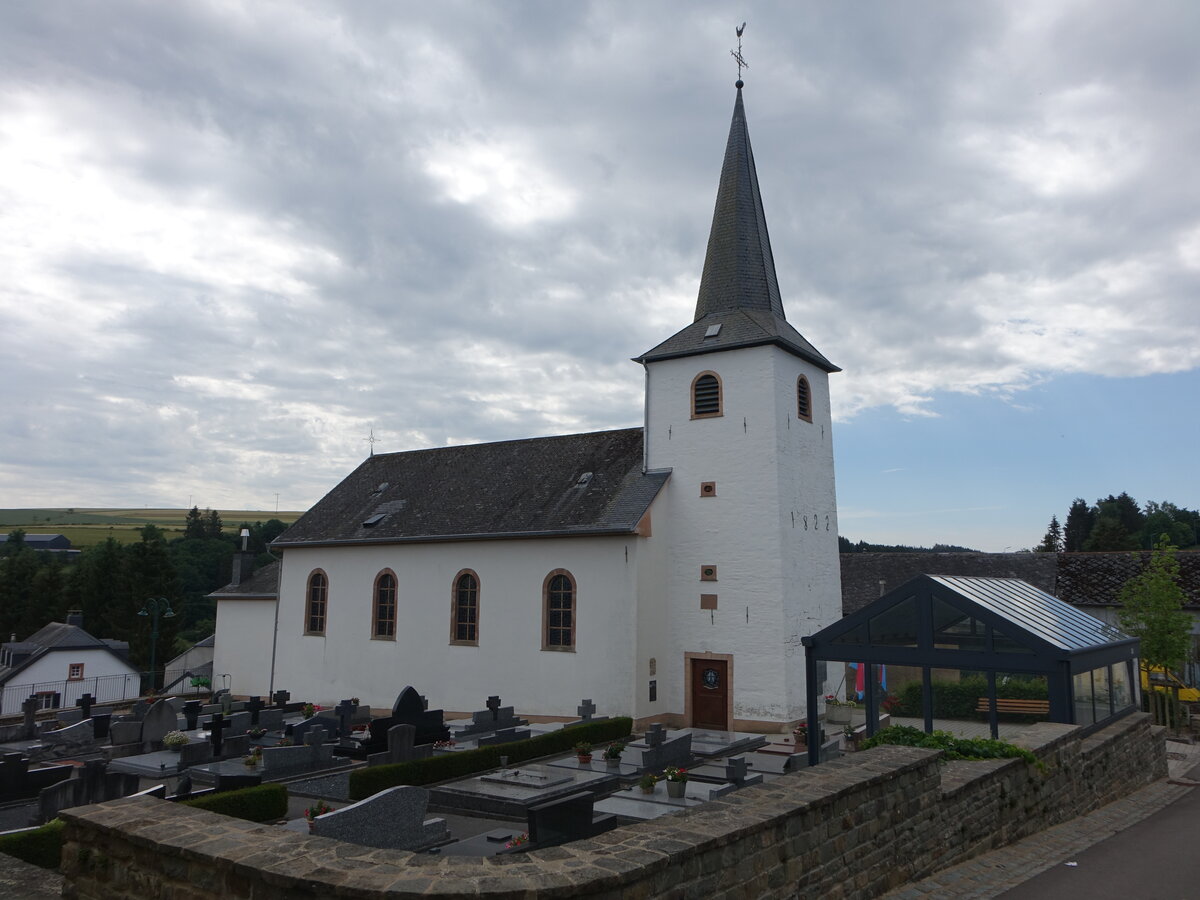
(1163, 679)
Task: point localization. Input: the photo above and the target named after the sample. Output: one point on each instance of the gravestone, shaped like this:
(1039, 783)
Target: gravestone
(125, 731)
(255, 706)
(69, 716)
(160, 718)
(281, 698)
(344, 712)
(271, 719)
(409, 709)
(79, 736)
(323, 720)
(93, 784)
(314, 754)
(401, 808)
(675, 752)
(504, 736)
(655, 735)
(226, 703)
(215, 729)
(191, 714)
(235, 745)
(238, 722)
(400, 747)
(231, 782)
(735, 772)
(195, 753)
(100, 724)
(17, 782)
(139, 709)
(29, 708)
(566, 819)
(85, 704)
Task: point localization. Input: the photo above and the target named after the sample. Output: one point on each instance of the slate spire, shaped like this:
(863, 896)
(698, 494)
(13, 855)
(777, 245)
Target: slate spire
(739, 270)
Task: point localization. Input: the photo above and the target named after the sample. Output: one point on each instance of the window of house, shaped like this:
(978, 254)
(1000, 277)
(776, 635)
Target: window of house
(314, 608)
(75, 672)
(803, 399)
(383, 619)
(47, 699)
(559, 611)
(464, 627)
(706, 396)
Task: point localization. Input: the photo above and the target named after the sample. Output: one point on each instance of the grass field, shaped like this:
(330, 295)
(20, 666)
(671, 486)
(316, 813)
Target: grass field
(88, 527)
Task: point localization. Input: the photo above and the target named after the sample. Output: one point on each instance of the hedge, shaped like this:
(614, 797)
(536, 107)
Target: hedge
(958, 699)
(39, 846)
(262, 803)
(372, 780)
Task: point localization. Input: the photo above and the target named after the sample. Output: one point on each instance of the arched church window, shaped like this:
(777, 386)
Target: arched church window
(803, 399)
(706, 395)
(558, 611)
(383, 617)
(464, 625)
(315, 604)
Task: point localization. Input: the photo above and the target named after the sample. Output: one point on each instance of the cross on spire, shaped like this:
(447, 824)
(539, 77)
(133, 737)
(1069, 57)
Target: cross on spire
(737, 54)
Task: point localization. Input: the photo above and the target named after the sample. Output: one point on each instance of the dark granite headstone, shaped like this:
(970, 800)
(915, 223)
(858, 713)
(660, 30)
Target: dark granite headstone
(100, 723)
(409, 709)
(85, 704)
(215, 727)
(281, 698)
(191, 714)
(567, 819)
(30, 707)
(253, 706)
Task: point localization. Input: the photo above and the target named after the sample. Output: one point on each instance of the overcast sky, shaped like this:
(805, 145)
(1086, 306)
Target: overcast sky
(237, 237)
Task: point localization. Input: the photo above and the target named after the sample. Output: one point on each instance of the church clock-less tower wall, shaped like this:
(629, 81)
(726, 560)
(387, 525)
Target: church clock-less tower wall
(737, 407)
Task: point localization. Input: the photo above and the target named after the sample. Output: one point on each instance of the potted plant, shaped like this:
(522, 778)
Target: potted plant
(254, 758)
(800, 735)
(647, 783)
(583, 750)
(317, 809)
(836, 712)
(676, 780)
(256, 732)
(175, 740)
(309, 710)
(519, 840)
(612, 754)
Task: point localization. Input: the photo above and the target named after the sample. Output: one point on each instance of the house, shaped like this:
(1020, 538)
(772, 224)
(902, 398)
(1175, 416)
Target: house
(61, 662)
(193, 664)
(666, 571)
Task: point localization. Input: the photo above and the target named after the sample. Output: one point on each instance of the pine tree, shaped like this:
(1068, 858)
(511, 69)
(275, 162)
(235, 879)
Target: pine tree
(1053, 541)
(195, 524)
(1081, 518)
(212, 524)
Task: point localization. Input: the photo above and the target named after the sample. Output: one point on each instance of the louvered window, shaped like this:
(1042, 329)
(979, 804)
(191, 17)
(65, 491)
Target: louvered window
(384, 620)
(803, 399)
(706, 395)
(314, 612)
(465, 629)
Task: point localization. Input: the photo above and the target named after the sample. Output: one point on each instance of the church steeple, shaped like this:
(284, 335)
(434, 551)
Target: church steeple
(739, 270)
(739, 303)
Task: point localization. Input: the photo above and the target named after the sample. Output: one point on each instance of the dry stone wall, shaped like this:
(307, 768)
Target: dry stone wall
(852, 828)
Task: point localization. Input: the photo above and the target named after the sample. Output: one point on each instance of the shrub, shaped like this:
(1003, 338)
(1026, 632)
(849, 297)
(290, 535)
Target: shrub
(954, 747)
(372, 780)
(958, 699)
(39, 846)
(262, 803)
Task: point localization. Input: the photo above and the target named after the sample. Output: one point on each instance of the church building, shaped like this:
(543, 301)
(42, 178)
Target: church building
(668, 571)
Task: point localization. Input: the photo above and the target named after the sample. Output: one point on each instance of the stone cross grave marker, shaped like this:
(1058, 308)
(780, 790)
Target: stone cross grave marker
(85, 703)
(345, 715)
(30, 707)
(191, 714)
(735, 769)
(655, 735)
(586, 710)
(281, 698)
(215, 727)
(254, 705)
(493, 703)
(315, 736)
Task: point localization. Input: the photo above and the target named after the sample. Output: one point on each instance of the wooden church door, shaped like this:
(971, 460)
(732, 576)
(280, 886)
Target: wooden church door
(710, 694)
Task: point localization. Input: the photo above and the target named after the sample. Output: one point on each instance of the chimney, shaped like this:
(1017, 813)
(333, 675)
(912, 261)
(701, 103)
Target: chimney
(243, 566)
(75, 617)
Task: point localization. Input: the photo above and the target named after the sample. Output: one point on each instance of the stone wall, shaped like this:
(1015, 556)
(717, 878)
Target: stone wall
(852, 828)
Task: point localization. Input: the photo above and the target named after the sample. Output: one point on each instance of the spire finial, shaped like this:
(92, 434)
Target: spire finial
(737, 55)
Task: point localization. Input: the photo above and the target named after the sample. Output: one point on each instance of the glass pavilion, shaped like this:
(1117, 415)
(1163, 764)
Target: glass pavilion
(966, 654)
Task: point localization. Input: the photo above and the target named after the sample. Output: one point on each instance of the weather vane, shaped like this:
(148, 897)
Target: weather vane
(372, 440)
(737, 54)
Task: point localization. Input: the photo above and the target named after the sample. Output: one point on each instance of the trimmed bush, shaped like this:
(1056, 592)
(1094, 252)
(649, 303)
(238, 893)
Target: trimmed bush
(365, 782)
(954, 747)
(262, 803)
(958, 699)
(39, 846)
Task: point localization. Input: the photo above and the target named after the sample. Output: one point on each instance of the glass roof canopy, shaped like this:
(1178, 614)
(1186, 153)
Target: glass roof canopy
(954, 625)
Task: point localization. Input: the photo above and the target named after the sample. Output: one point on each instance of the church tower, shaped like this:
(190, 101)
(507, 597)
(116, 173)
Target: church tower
(737, 407)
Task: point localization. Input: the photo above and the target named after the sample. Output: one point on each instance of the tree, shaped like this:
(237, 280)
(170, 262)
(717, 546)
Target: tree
(100, 582)
(212, 524)
(150, 574)
(1152, 609)
(1080, 520)
(1053, 541)
(1110, 535)
(194, 527)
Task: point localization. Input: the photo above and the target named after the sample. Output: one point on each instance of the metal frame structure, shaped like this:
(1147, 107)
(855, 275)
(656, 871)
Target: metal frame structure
(1017, 629)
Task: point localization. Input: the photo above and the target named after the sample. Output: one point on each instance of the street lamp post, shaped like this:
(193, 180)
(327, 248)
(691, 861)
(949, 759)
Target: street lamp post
(155, 607)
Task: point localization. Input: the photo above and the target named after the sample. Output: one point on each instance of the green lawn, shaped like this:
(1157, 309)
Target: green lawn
(88, 527)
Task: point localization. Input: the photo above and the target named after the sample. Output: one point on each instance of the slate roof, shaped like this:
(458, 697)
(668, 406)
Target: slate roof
(263, 583)
(57, 636)
(739, 289)
(527, 488)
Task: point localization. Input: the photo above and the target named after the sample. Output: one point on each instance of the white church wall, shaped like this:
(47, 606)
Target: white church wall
(508, 661)
(738, 529)
(651, 628)
(242, 647)
(808, 518)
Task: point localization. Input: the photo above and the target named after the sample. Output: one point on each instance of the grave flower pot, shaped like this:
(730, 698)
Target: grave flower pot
(585, 759)
(648, 790)
(676, 788)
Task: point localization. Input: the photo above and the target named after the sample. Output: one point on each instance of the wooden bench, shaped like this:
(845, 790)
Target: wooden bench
(1013, 706)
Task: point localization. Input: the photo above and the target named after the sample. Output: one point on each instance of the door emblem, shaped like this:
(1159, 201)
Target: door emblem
(711, 679)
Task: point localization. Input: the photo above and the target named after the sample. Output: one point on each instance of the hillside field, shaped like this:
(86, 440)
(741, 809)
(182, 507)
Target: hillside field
(88, 527)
